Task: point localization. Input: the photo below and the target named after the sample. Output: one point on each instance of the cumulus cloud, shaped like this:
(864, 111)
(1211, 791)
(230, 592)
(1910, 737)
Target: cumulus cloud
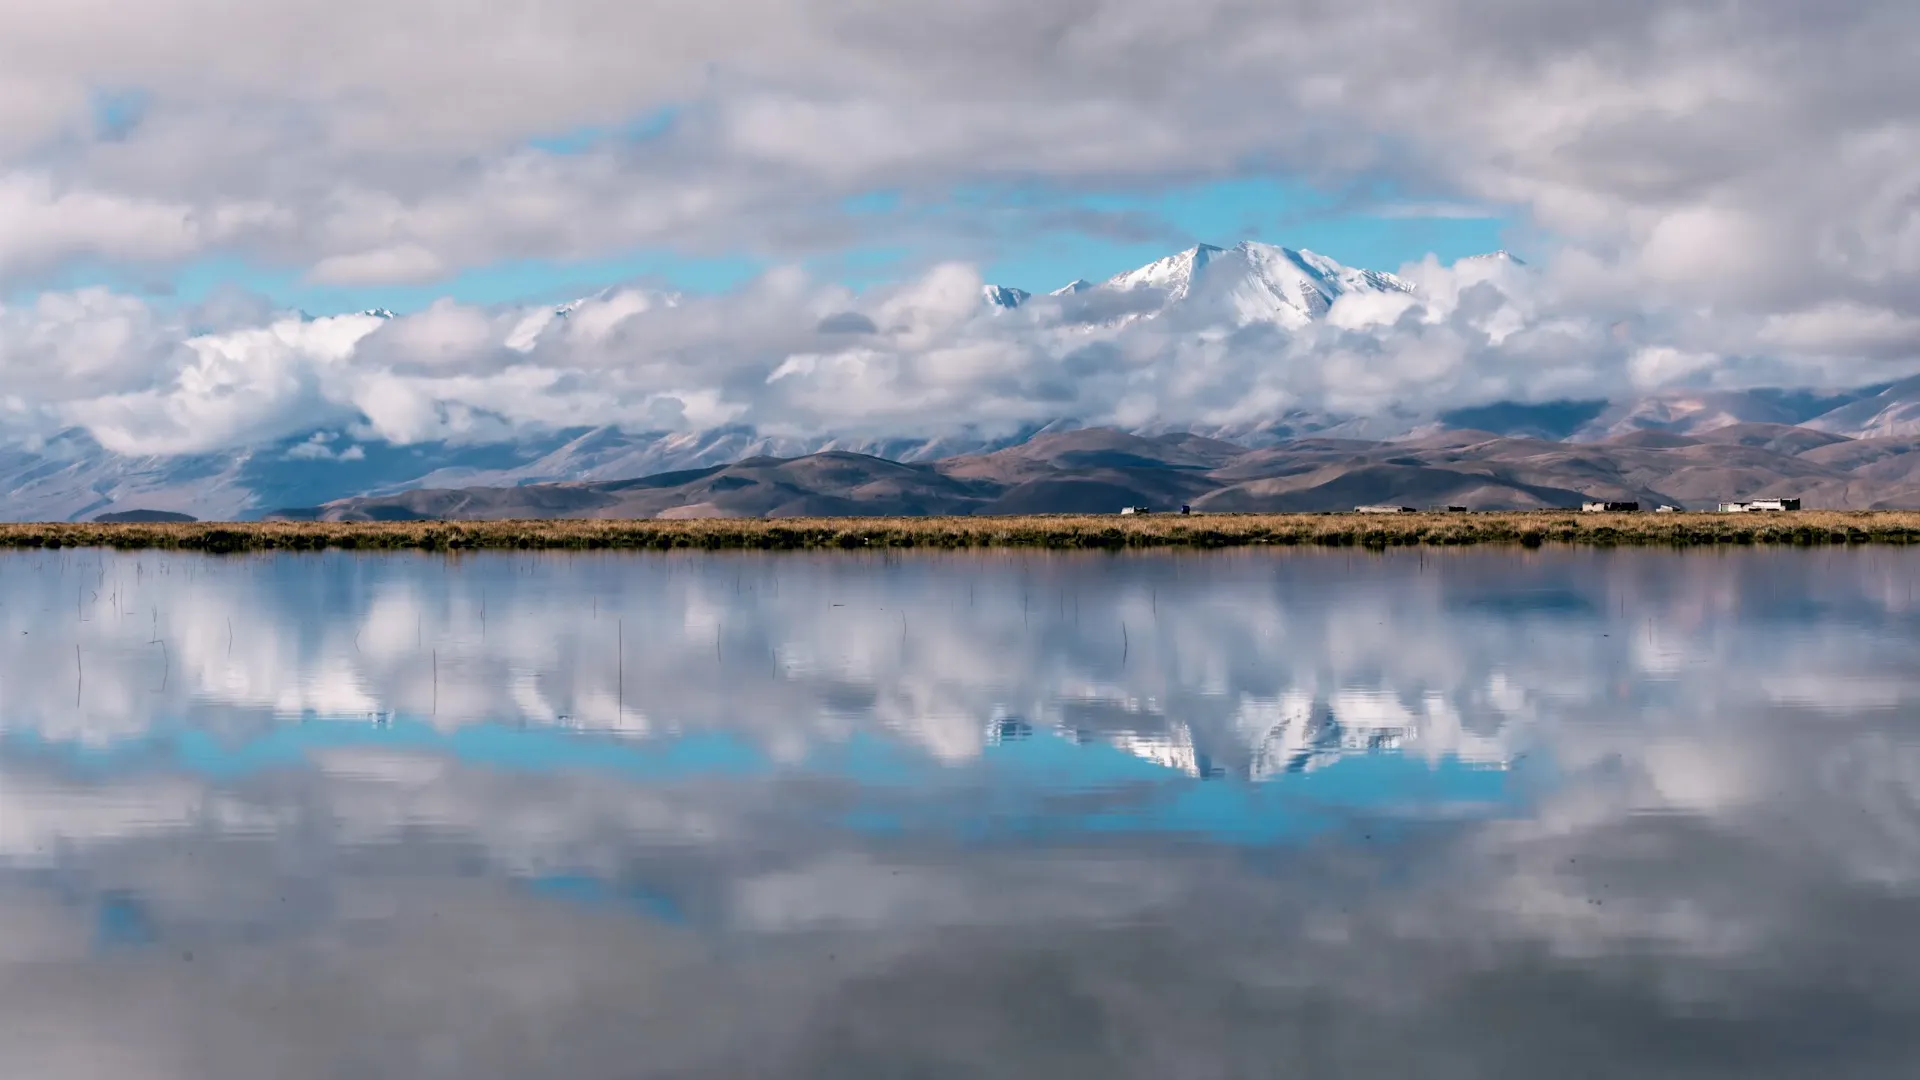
(847, 322)
(42, 223)
(221, 390)
(404, 263)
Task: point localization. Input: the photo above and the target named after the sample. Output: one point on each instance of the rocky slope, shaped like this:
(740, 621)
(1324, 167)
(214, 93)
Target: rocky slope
(1101, 470)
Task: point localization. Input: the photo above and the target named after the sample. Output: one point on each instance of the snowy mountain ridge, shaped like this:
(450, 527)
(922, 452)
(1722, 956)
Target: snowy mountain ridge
(1248, 283)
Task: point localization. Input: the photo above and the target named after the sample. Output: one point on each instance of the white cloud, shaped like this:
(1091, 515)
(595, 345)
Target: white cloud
(1660, 364)
(400, 263)
(224, 390)
(1845, 329)
(940, 360)
(41, 222)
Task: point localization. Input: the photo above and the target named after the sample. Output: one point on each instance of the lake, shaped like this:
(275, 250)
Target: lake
(1476, 814)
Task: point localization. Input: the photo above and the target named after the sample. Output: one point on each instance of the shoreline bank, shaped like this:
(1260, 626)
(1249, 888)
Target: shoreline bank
(1058, 532)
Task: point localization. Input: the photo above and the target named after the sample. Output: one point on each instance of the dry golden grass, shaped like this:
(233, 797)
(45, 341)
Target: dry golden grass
(1063, 531)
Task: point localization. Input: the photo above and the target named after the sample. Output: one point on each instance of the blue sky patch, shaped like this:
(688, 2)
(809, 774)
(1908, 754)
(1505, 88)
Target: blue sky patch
(116, 113)
(1027, 236)
(1378, 234)
(580, 140)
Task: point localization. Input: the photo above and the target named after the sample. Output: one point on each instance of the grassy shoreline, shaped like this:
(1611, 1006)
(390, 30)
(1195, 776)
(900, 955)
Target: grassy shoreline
(1065, 532)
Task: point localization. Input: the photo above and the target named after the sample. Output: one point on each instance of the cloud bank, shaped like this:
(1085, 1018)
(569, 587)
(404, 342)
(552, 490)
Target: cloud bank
(793, 356)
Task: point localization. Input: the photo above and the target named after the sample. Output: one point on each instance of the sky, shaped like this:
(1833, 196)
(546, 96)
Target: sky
(1706, 194)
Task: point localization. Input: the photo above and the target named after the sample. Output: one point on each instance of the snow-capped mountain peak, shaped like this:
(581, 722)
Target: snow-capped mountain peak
(1255, 282)
(1005, 296)
(1173, 275)
(1502, 255)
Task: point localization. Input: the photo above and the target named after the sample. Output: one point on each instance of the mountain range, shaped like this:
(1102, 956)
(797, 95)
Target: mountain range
(1849, 447)
(1100, 470)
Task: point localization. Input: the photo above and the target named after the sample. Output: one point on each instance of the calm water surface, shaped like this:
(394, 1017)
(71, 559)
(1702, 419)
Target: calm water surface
(1481, 815)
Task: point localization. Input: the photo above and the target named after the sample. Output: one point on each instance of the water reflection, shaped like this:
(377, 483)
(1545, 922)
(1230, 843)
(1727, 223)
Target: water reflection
(1468, 814)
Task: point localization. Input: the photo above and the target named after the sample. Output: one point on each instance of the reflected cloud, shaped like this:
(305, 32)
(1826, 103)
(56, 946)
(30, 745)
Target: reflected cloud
(1456, 654)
